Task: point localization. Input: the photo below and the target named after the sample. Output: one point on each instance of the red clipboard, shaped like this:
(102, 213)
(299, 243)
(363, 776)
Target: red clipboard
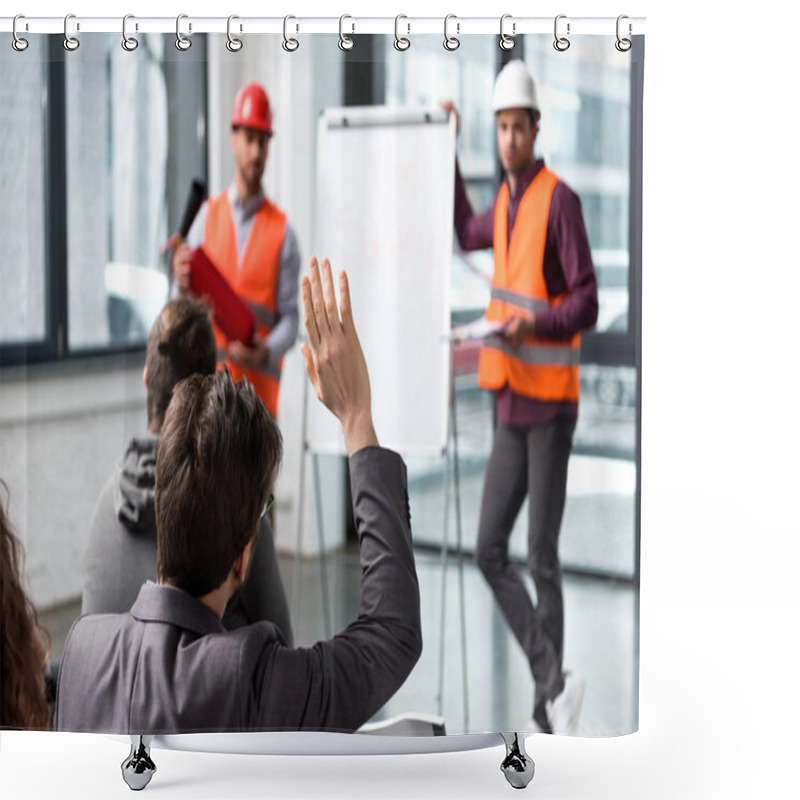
(231, 314)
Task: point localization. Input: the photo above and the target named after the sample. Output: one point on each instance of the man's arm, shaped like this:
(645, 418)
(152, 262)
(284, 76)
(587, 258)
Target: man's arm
(340, 683)
(474, 231)
(568, 240)
(284, 334)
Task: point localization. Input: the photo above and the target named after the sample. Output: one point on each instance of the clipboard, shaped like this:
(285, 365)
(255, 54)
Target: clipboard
(230, 313)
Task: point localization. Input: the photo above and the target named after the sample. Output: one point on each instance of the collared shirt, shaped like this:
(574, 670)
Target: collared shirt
(567, 268)
(283, 335)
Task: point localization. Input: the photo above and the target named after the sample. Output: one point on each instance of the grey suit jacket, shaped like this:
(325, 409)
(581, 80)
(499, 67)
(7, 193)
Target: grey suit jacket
(168, 666)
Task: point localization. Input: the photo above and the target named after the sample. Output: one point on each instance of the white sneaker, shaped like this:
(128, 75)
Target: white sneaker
(563, 711)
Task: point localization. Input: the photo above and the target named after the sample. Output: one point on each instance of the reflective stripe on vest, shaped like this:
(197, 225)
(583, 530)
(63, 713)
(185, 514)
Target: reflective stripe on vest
(254, 278)
(527, 303)
(538, 354)
(543, 369)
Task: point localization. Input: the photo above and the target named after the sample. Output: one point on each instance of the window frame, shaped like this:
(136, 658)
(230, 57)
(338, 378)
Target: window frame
(54, 347)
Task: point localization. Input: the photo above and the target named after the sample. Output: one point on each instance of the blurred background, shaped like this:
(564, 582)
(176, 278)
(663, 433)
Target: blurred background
(97, 151)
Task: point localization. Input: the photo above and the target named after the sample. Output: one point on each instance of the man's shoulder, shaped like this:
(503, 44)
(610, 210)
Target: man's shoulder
(270, 208)
(561, 189)
(89, 638)
(89, 624)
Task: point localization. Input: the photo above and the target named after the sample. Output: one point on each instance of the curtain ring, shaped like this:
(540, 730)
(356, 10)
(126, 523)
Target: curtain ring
(181, 42)
(345, 42)
(561, 43)
(623, 45)
(233, 44)
(70, 42)
(18, 43)
(400, 42)
(451, 42)
(289, 45)
(507, 42)
(129, 43)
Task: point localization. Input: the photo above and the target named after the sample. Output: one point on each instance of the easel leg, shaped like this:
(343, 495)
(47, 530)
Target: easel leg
(517, 766)
(443, 608)
(138, 768)
(298, 549)
(323, 559)
(451, 452)
(459, 544)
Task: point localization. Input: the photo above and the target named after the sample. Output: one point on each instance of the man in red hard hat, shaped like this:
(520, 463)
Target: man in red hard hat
(248, 239)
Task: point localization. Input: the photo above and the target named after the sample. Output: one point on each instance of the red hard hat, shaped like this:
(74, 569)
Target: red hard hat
(251, 108)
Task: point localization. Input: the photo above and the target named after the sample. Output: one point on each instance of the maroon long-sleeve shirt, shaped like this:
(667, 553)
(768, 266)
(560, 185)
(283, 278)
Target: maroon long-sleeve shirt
(568, 268)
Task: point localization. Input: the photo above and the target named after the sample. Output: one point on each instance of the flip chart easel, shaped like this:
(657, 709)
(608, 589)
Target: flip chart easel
(384, 213)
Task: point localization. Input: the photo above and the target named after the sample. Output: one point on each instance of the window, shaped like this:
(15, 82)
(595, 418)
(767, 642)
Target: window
(98, 150)
(22, 165)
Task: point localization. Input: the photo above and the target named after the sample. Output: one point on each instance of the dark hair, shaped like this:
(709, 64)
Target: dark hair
(181, 343)
(218, 455)
(22, 654)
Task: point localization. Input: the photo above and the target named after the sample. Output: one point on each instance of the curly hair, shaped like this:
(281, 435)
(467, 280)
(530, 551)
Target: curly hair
(22, 653)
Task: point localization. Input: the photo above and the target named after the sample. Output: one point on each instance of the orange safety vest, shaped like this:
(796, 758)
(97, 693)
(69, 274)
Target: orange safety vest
(542, 369)
(254, 279)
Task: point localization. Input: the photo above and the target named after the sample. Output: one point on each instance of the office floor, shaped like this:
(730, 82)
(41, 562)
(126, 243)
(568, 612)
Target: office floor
(601, 642)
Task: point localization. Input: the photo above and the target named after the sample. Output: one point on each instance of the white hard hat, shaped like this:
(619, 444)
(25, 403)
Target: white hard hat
(514, 88)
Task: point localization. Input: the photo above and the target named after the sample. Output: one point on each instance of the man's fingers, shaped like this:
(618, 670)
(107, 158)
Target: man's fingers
(331, 311)
(318, 299)
(311, 369)
(309, 317)
(347, 309)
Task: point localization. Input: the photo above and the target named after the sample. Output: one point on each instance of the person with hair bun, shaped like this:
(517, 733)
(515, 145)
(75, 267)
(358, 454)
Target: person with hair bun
(120, 553)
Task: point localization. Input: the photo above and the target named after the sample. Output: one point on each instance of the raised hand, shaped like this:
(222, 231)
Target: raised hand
(333, 358)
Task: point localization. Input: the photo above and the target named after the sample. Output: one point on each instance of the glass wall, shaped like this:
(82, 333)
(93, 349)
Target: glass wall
(111, 142)
(23, 83)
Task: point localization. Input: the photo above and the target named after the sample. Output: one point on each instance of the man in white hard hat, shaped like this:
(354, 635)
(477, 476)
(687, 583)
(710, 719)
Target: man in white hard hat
(544, 293)
(249, 240)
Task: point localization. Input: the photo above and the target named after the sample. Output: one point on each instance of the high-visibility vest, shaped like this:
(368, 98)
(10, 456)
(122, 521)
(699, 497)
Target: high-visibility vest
(542, 369)
(254, 279)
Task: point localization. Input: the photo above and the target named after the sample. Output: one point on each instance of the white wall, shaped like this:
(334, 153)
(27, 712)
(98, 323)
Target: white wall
(61, 432)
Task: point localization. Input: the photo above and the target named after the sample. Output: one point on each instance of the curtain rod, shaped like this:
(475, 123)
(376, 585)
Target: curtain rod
(403, 25)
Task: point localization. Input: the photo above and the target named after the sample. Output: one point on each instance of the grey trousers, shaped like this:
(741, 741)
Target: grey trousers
(529, 461)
